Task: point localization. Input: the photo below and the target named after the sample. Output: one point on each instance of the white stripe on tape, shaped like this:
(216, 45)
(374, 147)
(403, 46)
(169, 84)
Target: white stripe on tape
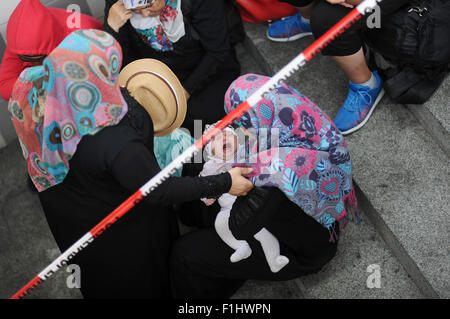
(67, 256)
(169, 170)
(367, 6)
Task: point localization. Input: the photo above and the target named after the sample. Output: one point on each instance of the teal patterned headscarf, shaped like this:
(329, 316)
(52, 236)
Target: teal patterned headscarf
(169, 147)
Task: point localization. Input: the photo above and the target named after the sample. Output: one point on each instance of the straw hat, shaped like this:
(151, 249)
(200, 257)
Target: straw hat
(159, 91)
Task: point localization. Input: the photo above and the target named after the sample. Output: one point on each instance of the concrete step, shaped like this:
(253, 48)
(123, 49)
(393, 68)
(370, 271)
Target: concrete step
(434, 115)
(401, 170)
(345, 277)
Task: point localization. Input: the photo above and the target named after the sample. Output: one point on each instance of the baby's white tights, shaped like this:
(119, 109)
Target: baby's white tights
(269, 242)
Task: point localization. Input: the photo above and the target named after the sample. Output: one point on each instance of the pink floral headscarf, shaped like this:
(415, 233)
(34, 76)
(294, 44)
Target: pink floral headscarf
(310, 163)
(74, 94)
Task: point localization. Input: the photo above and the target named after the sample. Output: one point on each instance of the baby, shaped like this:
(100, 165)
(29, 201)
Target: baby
(222, 152)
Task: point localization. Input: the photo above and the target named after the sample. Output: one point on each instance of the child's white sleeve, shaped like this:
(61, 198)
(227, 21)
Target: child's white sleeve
(208, 170)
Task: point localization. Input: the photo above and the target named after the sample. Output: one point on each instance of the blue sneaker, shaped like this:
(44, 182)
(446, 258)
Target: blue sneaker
(289, 29)
(358, 107)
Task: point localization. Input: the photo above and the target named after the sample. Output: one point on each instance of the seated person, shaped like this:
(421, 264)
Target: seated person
(87, 134)
(222, 152)
(33, 31)
(189, 36)
(303, 195)
(365, 86)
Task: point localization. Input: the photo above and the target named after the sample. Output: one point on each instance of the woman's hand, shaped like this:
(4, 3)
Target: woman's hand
(210, 201)
(118, 16)
(341, 2)
(240, 185)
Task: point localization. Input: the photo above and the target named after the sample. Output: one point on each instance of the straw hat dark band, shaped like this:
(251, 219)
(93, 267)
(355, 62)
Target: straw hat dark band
(159, 91)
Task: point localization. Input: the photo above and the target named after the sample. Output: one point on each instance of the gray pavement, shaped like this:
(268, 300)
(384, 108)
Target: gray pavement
(439, 104)
(434, 116)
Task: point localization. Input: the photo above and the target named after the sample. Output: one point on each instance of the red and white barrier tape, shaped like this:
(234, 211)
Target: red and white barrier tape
(315, 48)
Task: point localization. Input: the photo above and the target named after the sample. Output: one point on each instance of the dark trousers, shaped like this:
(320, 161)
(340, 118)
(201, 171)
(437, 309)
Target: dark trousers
(325, 15)
(207, 104)
(200, 264)
(130, 260)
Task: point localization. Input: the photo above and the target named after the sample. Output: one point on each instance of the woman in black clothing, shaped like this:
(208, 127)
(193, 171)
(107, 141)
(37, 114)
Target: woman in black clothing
(200, 266)
(89, 146)
(306, 221)
(202, 58)
(131, 259)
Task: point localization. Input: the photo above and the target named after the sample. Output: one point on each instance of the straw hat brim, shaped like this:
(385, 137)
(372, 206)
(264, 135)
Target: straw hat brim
(150, 74)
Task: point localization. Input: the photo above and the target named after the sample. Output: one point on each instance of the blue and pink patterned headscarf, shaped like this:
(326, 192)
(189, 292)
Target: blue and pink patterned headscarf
(74, 94)
(311, 163)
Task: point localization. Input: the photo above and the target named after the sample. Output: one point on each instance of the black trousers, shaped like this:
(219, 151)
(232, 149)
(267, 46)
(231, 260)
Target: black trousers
(207, 104)
(325, 15)
(130, 260)
(200, 264)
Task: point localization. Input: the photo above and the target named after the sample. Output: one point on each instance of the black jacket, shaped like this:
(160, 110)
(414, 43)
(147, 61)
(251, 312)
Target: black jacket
(203, 53)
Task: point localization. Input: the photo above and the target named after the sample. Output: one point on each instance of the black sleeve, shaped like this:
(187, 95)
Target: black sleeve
(122, 36)
(135, 165)
(209, 21)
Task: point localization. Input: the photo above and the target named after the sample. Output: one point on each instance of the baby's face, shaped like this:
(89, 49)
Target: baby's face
(224, 145)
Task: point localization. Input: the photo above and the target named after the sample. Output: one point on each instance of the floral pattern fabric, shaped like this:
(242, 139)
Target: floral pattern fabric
(161, 32)
(75, 93)
(311, 163)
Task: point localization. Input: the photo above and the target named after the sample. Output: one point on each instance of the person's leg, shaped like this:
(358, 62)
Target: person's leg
(200, 266)
(355, 67)
(129, 261)
(271, 248)
(365, 86)
(306, 10)
(241, 247)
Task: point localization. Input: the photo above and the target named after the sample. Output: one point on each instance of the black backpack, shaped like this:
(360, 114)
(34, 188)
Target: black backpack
(235, 25)
(416, 40)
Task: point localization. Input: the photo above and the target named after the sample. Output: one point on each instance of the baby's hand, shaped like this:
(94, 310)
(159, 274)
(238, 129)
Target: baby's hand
(210, 201)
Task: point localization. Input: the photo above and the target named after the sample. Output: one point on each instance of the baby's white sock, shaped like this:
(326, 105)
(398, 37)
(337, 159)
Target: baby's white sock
(241, 247)
(243, 252)
(271, 248)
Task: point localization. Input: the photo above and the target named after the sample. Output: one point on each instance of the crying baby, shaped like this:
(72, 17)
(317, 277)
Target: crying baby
(222, 150)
